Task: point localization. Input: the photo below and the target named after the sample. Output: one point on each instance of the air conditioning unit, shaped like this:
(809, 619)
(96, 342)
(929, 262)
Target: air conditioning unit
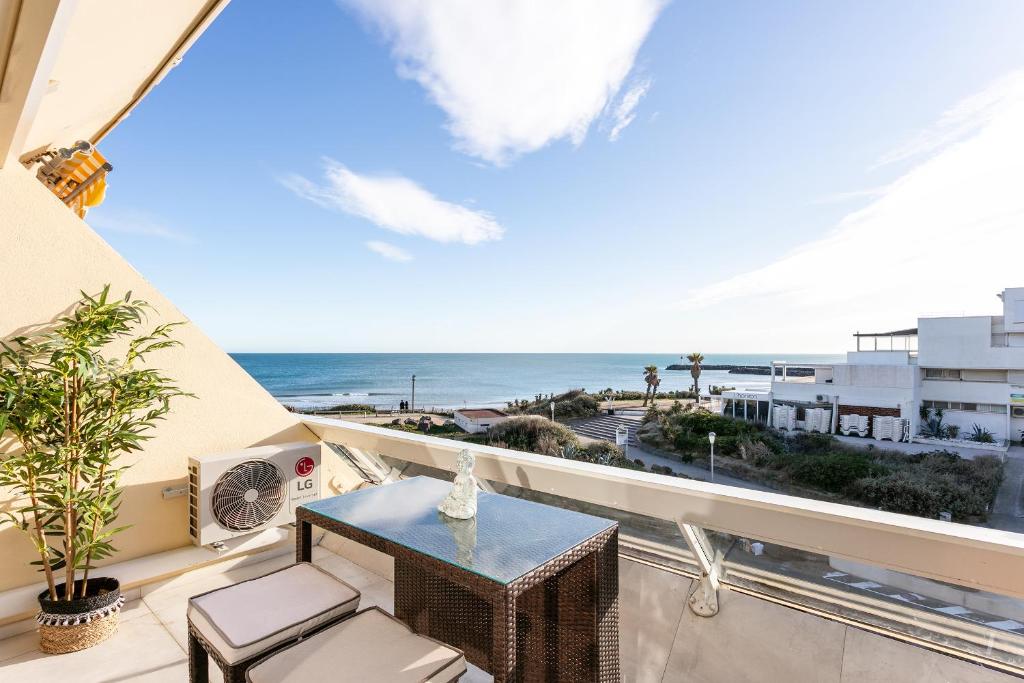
(823, 398)
(242, 492)
(1017, 411)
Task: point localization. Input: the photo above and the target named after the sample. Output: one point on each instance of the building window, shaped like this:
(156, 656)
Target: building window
(966, 375)
(983, 375)
(941, 373)
(966, 407)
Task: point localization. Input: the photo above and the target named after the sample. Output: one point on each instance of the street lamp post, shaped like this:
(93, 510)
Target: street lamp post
(711, 438)
(412, 403)
(622, 439)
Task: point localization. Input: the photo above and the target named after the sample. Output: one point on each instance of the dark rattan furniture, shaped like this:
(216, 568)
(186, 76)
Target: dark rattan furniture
(340, 601)
(528, 591)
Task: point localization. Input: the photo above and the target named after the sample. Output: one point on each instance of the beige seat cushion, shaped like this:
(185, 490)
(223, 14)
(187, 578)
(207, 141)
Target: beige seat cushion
(248, 618)
(370, 646)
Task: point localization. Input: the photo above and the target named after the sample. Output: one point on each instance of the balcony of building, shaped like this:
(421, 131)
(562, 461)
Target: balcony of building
(796, 589)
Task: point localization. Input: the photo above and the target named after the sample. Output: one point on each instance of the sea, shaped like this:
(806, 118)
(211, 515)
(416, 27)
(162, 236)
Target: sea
(459, 380)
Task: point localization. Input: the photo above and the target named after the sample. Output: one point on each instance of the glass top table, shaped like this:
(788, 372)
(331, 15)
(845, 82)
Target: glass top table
(527, 591)
(508, 538)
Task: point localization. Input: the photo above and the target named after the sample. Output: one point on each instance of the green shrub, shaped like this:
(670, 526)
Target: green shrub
(435, 429)
(810, 442)
(529, 433)
(688, 433)
(981, 435)
(572, 404)
(831, 471)
(899, 492)
(912, 483)
(936, 482)
(604, 453)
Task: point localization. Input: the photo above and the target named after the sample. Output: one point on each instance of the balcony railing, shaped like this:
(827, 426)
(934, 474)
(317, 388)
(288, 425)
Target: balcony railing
(952, 587)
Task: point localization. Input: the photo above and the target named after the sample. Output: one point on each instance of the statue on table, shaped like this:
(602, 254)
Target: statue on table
(461, 500)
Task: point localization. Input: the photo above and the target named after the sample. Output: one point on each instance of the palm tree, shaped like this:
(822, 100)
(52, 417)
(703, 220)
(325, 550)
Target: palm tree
(695, 358)
(651, 377)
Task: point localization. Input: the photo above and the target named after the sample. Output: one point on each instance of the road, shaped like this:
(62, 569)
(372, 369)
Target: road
(1008, 508)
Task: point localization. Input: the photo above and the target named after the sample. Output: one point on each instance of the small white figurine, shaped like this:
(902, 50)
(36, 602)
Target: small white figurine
(461, 500)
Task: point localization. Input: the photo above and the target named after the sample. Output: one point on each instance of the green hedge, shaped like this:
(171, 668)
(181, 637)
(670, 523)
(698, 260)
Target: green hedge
(935, 482)
(922, 484)
(572, 404)
(531, 434)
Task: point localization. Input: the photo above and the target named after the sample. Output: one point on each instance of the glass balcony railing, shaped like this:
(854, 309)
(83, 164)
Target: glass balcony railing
(953, 588)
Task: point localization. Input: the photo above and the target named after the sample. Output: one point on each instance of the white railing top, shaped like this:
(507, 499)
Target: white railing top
(977, 557)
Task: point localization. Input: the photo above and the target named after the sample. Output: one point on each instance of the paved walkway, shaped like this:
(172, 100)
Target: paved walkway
(691, 470)
(1008, 509)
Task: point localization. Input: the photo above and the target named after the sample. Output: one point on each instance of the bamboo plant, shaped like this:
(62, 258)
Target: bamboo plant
(69, 410)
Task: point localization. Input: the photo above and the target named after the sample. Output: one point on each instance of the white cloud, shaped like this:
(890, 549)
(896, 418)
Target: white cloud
(943, 237)
(397, 204)
(968, 116)
(134, 223)
(514, 76)
(389, 251)
(625, 112)
(843, 197)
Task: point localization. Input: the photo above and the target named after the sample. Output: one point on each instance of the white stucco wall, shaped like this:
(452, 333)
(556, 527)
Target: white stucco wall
(972, 392)
(882, 386)
(878, 357)
(963, 343)
(1016, 427)
(966, 420)
(1013, 309)
(47, 256)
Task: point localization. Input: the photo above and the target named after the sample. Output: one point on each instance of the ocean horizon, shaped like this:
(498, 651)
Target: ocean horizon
(457, 380)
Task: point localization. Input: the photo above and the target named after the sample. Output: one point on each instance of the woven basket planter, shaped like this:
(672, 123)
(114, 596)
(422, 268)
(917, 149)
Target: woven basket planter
(71, 625)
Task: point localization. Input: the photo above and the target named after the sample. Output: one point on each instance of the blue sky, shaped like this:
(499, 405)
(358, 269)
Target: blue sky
(373, 176)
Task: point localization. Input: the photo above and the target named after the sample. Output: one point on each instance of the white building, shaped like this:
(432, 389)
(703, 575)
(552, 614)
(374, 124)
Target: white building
(477, 420)
(970, 367)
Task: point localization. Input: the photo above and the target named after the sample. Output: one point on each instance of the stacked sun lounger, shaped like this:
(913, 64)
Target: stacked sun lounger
(891, 428)
(853, 425)
(818, 419)
(881, 427)
(784, 417)
(900, 429)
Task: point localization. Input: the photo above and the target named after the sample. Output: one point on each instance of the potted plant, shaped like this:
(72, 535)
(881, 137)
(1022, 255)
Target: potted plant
(981, 435)
(74, 408)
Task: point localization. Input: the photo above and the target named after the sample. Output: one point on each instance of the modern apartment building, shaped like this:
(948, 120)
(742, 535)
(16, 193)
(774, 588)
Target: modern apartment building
(970, 367)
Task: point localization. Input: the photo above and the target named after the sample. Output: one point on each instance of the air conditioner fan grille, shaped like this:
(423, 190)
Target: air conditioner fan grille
(248, 495)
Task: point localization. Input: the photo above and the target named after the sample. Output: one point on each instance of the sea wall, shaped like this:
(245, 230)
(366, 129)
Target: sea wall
(746, 369)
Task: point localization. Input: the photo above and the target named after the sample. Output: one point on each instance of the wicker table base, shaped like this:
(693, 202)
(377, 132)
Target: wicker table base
(558, 622)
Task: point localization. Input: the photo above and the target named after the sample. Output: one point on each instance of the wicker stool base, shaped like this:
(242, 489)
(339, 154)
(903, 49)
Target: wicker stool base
(57, 640)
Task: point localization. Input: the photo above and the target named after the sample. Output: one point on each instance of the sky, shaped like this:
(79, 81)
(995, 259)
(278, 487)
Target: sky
(580, 176)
